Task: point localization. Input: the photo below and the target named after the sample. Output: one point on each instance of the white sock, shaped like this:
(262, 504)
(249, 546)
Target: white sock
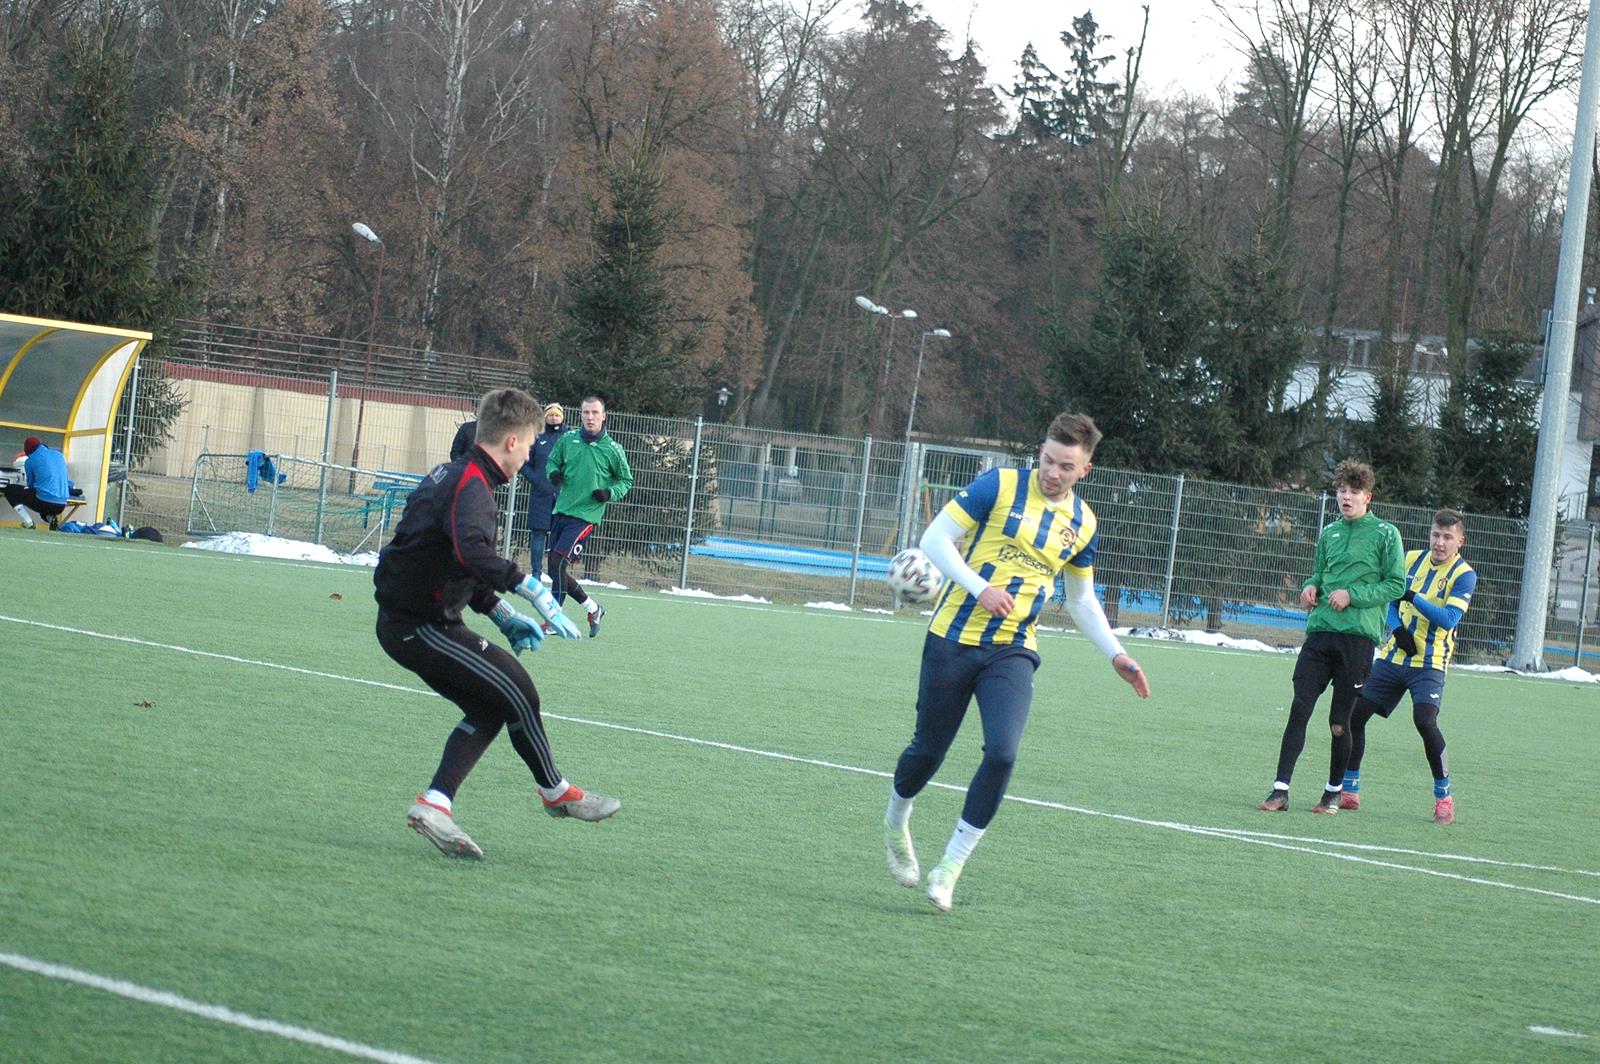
(899, 813)
(550, 794)
(962, 842)
(1280, 786)
(590, 606)
(27, 518)
(438, 798)
(1333, 788)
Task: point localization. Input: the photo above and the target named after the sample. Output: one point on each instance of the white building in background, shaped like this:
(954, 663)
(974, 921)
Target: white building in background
(1579, 483)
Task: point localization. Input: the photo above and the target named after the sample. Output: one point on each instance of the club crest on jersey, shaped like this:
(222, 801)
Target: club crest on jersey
(1068, 536)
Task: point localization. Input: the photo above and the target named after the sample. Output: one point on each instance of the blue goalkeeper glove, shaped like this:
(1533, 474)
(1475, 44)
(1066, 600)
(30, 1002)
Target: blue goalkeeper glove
(536, 593)
(521, 631)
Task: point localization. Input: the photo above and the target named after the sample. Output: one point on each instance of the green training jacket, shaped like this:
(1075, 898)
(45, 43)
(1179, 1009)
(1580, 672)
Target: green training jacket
(1366, 558)
(585, 465)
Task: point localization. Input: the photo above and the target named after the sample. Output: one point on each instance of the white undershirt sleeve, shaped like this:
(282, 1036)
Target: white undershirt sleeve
(939, 544)
(1088, 615)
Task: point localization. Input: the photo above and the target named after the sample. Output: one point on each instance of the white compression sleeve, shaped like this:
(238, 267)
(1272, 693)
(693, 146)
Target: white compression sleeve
(939, 544)
(1089, 616)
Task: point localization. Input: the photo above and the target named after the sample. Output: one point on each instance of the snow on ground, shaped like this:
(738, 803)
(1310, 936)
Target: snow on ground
(694, 592)
(1571, 672)
(837, 606)
(272, 547)
(1209, 639)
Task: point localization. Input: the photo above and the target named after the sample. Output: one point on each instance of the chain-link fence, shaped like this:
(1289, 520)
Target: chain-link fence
(798, 517)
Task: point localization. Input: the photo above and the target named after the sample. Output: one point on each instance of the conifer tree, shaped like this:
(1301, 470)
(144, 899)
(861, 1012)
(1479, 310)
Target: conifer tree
(75, 243)
(620, 341)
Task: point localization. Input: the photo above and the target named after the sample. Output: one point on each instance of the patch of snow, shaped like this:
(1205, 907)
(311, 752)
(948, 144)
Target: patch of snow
(694, 592)
(837, 606)
(1571, 672)
(260, 546)
(1209, 639)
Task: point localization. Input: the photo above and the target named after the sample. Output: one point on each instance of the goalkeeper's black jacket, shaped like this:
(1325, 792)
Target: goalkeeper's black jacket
(442, 557)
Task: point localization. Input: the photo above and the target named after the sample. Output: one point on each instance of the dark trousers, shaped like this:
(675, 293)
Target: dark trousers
(1336, 658)
(1424, 715)
(1001, 678)
(489, 685)
(568, 536)
(16, 495)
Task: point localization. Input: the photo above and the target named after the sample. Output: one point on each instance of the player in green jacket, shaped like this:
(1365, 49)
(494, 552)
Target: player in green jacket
(1359, 570)
(589, 469)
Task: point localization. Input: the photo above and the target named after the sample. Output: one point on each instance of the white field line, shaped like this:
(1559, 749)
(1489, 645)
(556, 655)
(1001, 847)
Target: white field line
(219, 1013)
(1282, 842)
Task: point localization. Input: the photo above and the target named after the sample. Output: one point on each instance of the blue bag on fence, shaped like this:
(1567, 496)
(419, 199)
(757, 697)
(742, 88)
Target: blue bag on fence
(257, 464)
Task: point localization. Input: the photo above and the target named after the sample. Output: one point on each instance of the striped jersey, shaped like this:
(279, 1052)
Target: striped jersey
(1450, 584)
(1019, 540)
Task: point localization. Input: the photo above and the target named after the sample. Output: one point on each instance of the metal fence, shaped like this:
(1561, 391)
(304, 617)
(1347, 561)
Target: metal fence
(797, 517)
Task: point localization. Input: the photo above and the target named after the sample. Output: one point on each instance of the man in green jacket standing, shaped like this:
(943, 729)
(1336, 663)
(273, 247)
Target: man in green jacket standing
(589, 469)
(1360, 569)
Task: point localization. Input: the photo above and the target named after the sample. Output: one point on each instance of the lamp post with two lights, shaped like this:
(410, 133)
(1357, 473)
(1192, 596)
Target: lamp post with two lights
(365, 232)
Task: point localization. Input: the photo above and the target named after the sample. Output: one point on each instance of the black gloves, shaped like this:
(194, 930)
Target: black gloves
(602, 494)
(1405, 640)
(1408, 596)
(556, 478)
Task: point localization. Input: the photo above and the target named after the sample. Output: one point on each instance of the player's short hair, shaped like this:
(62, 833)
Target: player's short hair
(1357, 476)
(1448, 518)
(1074, 429)
(504, 411)
(593, 399)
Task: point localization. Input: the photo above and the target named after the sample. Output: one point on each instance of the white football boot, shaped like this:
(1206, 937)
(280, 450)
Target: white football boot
(942, 884)
(902, 856)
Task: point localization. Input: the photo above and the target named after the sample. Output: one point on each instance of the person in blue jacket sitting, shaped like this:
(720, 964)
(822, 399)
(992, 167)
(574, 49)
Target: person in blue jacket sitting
(47, 490)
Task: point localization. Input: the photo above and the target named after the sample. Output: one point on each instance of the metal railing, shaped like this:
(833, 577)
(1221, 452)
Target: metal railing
(800, 517)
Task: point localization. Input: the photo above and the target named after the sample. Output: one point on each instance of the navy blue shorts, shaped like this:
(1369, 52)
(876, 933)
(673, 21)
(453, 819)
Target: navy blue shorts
(567, 535)
(1387, 683)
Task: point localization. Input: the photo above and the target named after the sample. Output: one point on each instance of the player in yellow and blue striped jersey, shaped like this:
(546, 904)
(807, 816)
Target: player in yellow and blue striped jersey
(1022, 528)
(1421, 643)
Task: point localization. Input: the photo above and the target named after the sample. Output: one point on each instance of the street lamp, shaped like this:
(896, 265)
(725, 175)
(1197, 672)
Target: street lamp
(943, 334)
(723, 395)
(365, 232)
(888, 356)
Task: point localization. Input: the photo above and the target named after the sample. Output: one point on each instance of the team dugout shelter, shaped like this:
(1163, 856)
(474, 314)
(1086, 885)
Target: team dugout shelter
(62, 382)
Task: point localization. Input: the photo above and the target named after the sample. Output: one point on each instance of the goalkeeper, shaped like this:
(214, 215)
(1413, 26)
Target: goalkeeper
(443, 558)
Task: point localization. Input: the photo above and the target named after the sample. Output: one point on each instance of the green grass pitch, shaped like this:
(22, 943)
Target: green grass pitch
(207, 762)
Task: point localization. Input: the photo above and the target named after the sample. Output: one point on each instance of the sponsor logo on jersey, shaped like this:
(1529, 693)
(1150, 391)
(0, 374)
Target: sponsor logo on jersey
(1020, 557)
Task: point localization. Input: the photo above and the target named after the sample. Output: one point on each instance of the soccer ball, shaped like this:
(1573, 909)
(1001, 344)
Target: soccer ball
(913, 577)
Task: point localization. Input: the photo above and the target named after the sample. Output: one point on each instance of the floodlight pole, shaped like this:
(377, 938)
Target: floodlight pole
(365, 232)
(888, 360)
(1527, 647)
(916, 380)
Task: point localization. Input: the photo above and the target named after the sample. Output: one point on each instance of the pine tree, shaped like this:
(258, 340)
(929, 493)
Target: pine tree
(74, 245)
(1137, 368)
(1396, 442)
(620, 342)
(1489, 434)
(81, 251)
(1255, 346)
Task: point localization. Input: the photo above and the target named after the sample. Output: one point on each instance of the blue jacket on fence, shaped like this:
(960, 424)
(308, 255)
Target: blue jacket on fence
(257, 465)
(541, 493)
(46, 472)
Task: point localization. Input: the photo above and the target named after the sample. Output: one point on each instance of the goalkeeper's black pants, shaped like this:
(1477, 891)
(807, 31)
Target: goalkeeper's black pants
(1342, 659)
(490, 686)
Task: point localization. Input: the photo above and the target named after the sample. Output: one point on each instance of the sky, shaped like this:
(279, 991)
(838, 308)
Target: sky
(1188, 46)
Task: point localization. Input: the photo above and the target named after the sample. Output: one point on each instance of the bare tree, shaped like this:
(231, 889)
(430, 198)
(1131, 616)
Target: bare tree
(1493, 62)
(457, 90)
(1285, 44)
